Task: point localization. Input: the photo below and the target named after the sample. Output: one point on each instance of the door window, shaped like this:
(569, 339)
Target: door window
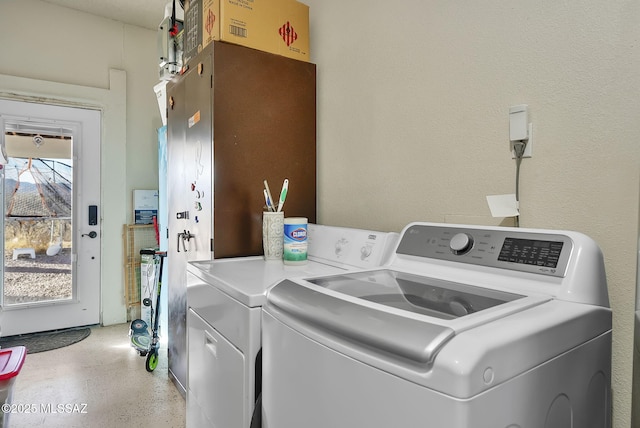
(51, 263)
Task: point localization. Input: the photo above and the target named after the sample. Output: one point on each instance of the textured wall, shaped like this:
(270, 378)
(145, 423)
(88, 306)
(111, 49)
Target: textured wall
(413, 101)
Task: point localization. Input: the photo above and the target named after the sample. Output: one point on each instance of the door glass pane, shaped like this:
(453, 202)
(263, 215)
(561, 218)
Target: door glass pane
(37, 218)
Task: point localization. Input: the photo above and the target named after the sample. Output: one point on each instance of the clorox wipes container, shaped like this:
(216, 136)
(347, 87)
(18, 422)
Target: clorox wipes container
(295, 240)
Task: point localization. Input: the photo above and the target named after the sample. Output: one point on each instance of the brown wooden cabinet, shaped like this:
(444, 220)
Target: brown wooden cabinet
(236, 117)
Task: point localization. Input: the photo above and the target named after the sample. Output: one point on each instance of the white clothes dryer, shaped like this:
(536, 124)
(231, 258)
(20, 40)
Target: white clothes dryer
(224, 299)
(465, 327)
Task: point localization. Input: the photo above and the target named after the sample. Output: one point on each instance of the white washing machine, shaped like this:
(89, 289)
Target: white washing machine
(224, 299)
(465, 327)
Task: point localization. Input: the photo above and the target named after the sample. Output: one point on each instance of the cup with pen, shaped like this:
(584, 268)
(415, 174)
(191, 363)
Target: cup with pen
(273, 223)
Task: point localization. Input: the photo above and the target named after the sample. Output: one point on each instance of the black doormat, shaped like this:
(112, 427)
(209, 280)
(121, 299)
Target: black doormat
(46, 341)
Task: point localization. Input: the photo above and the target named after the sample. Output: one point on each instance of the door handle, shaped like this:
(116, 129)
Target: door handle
(91, 234)
(184, 237)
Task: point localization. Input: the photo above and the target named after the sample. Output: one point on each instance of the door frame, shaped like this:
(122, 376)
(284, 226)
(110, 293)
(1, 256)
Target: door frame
(84, 306)
(112, 101)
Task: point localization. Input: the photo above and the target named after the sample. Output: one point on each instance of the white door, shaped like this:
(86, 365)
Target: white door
(50, 234)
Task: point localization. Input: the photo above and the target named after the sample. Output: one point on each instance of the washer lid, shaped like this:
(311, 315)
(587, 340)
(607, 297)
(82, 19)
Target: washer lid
(402, 314)
(382, 330)
(417, 294)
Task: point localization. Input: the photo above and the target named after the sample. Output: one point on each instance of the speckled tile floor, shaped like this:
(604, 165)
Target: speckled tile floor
(98, 382)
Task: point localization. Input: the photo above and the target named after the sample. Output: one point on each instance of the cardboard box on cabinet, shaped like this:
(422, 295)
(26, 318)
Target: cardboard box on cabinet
(276, 26)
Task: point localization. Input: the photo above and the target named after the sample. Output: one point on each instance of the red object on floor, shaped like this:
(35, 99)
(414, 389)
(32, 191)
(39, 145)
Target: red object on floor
(11, 361)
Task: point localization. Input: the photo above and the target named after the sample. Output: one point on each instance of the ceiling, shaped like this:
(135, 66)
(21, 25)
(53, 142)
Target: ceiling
(142, 13)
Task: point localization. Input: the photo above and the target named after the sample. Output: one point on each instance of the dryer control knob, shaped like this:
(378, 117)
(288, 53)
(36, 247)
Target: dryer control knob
(461, 243)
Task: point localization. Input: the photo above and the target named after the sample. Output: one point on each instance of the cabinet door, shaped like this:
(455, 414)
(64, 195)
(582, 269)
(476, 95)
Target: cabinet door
(177, 260)
(215, 374)
(263, 128)
(197, 156)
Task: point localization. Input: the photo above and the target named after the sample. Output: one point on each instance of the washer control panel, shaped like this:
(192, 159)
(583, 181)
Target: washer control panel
(541, 253)
(461, 243)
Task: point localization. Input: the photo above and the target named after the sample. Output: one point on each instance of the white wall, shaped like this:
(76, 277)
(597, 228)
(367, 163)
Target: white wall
(69, 55)
(412, 115)
(413, 98)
